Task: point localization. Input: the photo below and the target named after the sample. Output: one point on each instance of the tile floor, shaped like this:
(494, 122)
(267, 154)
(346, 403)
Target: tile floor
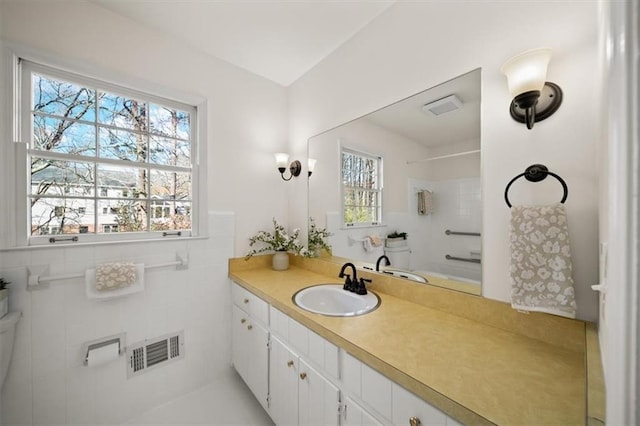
(227, 401)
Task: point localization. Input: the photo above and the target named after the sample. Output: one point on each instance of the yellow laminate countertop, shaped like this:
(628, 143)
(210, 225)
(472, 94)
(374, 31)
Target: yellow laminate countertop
(476, 373)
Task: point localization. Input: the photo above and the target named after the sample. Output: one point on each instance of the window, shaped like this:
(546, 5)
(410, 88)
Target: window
(361, 188)
(98, 147)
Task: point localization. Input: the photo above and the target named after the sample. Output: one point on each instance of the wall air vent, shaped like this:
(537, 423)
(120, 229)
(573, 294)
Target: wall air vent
(151, 353)
(443, 106)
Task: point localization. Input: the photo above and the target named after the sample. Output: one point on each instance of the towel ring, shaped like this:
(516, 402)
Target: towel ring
(536, 173)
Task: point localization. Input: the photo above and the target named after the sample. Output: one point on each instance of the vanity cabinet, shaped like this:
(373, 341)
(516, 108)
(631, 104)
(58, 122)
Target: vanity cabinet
(300, 365)
(250, 341)
(300, 378)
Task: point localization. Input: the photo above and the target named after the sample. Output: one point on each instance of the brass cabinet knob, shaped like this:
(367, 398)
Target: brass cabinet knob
(303, 376)
(414, 421)
(289, 363)
(243, 320)
(246, 301)
(249, 327)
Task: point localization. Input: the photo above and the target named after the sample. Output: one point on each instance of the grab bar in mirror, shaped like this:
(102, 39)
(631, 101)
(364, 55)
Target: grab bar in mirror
(463, 259)
(450, 232)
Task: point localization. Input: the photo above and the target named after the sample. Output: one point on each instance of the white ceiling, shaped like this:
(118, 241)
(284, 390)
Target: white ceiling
(407, 118)
(277, 39)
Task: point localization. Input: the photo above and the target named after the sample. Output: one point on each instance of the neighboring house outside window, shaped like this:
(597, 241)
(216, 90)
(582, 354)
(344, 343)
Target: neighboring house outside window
(102, 158)
(361, 188)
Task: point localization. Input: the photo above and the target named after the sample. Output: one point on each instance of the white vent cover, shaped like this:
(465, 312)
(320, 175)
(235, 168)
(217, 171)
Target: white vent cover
(443, 106)
(151, 353)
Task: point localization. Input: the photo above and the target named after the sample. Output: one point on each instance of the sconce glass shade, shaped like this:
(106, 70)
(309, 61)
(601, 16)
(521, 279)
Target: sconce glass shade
(282, 160)
(527, 71)
(311, 165)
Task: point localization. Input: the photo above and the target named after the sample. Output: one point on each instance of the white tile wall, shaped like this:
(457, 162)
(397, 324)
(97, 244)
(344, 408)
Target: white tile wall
(47, 383)
(458, 207)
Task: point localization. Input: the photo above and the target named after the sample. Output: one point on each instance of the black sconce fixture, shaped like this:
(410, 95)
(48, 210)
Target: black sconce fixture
(534, 99)
(282, 161)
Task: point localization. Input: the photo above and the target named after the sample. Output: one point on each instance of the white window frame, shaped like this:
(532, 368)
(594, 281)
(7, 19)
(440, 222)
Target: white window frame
(16, 214)
(379, 190)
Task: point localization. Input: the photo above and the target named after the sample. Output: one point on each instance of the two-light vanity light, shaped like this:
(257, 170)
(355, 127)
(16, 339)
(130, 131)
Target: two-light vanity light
(295, 167)
(534, 99)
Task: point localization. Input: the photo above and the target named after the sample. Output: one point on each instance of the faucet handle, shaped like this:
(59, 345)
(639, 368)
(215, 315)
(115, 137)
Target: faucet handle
(348, 284)
(361, 287)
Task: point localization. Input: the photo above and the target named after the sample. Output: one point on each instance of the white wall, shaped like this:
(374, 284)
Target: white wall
(416, 45)
(247, 119)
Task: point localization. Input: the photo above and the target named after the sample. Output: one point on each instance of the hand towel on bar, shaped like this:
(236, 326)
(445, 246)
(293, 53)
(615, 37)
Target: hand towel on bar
(91, 284)
(425, 202)
(375, 240)
(112, 276)
(541, 260)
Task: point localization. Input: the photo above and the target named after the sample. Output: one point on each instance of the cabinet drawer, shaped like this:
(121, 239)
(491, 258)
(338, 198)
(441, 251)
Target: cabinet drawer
(407, 405)
(279, 323)
(257, 308)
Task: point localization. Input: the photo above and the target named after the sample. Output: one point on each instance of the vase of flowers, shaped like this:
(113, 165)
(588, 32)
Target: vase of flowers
(280, 242)
(318, 239)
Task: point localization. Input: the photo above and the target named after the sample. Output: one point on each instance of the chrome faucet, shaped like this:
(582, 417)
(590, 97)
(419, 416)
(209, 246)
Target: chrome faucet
(388, 262)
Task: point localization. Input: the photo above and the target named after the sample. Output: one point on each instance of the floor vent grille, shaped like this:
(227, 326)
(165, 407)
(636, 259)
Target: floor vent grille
(151, 353)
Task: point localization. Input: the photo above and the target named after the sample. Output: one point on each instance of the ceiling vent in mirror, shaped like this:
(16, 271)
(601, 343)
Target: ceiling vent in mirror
(443, 106)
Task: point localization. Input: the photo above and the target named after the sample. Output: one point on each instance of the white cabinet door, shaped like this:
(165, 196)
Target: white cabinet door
(283, 384)
(250, 353)
(354, 415)
(318, 399)
(406, 406)
(239, 352)
(258, 361)
(376, 391)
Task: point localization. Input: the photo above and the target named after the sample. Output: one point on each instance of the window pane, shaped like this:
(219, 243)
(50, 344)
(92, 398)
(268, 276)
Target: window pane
(53, 134)
(122, 216)
(57, 177)
(122, 182)
(170, 215)
(169, 122)
(123, 145)
(170, 185)
(120, 111)
(63, 99)
(171, 152)
(61, 216)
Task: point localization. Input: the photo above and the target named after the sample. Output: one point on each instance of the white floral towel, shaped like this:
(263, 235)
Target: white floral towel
(541, 260)
(91, 282)
(112, 276)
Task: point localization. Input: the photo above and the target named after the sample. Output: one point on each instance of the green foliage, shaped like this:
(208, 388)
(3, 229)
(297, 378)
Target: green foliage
(3, 284)
(279, 240)
(396, 234)
(317, 239)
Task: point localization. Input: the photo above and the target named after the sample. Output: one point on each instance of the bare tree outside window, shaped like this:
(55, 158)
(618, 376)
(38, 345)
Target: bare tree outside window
(361, 188)
(99, 159)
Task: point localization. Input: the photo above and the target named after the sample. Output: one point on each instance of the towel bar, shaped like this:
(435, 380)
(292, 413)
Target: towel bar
(36, 277)
(463, 259)
(450, 232)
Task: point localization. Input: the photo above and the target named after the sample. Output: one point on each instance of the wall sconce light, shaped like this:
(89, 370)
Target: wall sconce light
(312, 165)
(534, 99)
(282, 161)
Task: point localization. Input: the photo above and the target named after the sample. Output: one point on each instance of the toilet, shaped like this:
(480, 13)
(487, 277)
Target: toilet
(7, 334)
(398, 256)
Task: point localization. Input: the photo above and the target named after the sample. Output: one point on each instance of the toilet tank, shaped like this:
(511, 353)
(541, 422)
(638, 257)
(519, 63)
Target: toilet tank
(7, 335)
(398, 256)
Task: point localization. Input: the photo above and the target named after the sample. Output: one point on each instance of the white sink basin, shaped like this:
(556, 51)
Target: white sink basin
(332, 300)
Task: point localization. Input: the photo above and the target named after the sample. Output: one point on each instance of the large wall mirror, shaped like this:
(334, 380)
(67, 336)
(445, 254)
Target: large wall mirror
(410, 168)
